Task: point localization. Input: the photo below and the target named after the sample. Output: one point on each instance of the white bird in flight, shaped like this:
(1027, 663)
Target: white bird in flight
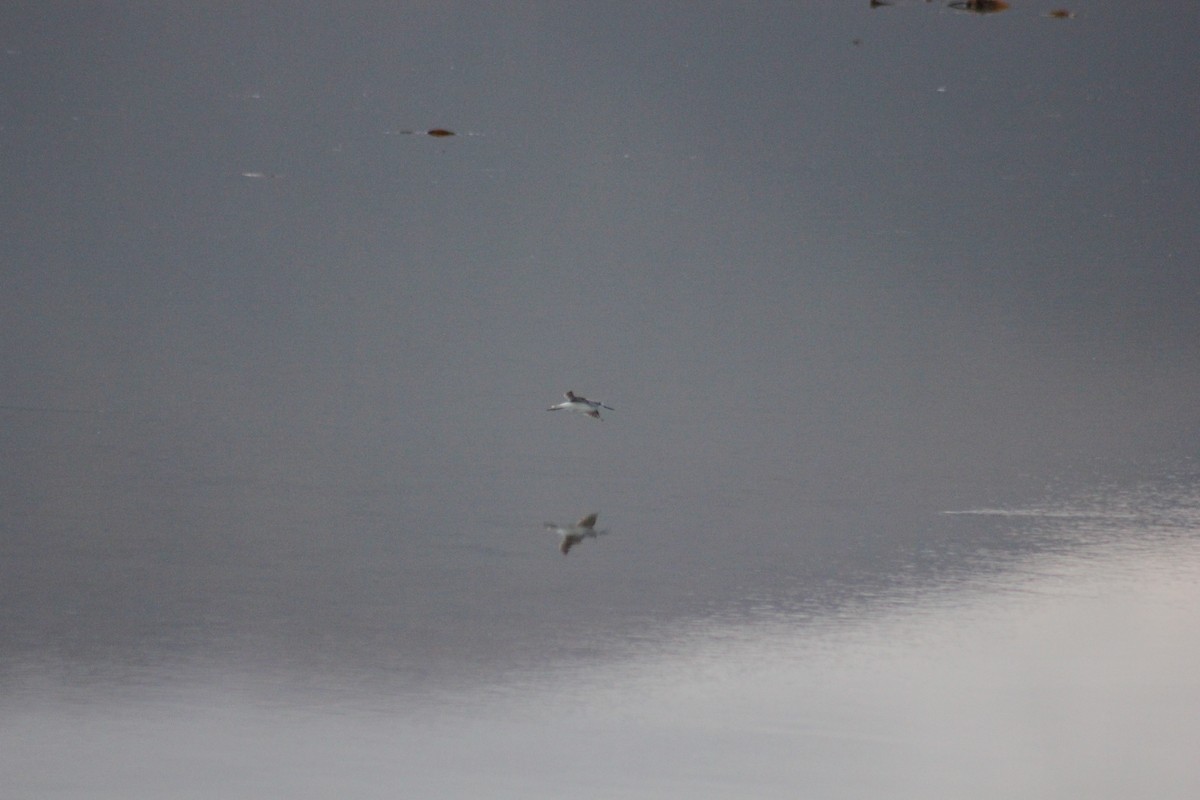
(574, 534)
(581, 404)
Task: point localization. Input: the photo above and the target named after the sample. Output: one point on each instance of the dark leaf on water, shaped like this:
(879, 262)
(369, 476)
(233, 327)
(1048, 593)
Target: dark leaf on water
(430, 132)
(981, 6)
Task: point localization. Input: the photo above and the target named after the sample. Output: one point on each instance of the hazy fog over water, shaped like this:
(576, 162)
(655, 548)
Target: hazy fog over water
(276, 363)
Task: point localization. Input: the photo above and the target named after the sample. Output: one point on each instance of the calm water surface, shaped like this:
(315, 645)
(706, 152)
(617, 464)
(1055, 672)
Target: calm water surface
(895, 307)
(1055, 659)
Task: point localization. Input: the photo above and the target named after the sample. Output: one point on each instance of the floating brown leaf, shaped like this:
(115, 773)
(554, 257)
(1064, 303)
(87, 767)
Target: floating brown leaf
(981, 6)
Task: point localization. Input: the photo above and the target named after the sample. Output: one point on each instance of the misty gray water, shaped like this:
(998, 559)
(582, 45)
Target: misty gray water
(894, 307)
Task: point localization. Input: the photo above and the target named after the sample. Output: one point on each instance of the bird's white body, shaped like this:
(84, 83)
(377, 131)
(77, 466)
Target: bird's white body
(575, 402)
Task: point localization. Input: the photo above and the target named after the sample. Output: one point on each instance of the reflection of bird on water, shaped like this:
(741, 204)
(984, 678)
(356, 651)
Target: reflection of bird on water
(581, 404)
(574, 534)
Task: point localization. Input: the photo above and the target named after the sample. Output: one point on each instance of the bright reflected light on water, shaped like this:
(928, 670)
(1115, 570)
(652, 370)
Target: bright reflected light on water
(1073, 676)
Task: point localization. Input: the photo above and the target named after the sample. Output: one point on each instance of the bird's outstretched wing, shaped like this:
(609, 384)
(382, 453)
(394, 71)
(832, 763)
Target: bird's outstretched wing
(589, 521)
